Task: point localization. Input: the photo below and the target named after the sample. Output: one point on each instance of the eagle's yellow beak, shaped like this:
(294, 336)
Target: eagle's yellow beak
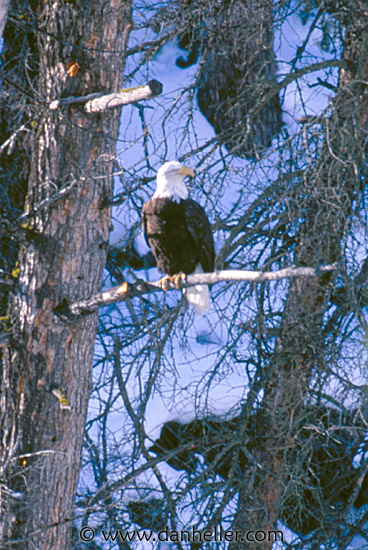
(186, 171)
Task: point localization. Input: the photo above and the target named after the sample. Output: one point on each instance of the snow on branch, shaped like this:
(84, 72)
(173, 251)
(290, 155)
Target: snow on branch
(130, 290)
(96, 103)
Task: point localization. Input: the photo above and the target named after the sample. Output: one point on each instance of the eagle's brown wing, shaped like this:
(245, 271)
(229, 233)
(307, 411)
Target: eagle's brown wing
(200, 229)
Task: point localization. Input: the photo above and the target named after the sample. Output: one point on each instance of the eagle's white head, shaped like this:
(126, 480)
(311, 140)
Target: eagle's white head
(170, 181)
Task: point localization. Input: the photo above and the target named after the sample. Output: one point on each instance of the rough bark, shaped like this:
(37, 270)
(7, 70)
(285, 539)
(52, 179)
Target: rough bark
(64, 259)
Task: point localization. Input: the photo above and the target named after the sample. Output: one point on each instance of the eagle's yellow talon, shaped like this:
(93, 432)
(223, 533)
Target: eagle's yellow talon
(164, 283)
(178, 278)
(175, 280)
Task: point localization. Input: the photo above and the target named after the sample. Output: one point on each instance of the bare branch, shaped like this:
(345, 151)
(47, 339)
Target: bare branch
(4, 8)
(10, 141)
(290, 77)
(96, 103)
(128, 290)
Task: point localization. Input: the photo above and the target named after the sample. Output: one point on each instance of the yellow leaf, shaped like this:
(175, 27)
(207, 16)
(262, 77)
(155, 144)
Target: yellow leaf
(15, 273)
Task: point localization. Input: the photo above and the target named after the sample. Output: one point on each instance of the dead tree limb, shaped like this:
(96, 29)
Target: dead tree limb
(97, 102)
(129, 290)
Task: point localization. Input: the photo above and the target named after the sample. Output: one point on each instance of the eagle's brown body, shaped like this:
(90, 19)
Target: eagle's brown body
(179, 235)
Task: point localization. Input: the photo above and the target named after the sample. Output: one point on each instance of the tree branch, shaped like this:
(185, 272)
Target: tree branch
(130, 290)
(4, 8)
(290, 77)
(96, 103)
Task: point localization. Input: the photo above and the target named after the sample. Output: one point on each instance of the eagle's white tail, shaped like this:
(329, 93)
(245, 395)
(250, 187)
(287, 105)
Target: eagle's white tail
(198, 296)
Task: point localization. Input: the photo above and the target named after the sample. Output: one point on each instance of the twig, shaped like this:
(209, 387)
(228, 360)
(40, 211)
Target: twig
(11, 140)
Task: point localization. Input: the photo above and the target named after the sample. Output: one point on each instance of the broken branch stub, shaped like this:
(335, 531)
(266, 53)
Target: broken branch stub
(124, 97)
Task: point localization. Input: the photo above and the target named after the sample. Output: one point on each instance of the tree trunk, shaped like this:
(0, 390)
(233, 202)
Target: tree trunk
(81, 50)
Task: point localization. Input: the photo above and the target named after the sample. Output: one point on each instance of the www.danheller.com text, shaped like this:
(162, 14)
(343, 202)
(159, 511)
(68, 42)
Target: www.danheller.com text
(217, 534)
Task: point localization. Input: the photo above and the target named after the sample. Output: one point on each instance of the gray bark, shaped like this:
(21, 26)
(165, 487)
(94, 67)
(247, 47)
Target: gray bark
(41, 441)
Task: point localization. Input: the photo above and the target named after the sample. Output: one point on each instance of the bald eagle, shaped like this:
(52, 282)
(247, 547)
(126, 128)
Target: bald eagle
(178, 232)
